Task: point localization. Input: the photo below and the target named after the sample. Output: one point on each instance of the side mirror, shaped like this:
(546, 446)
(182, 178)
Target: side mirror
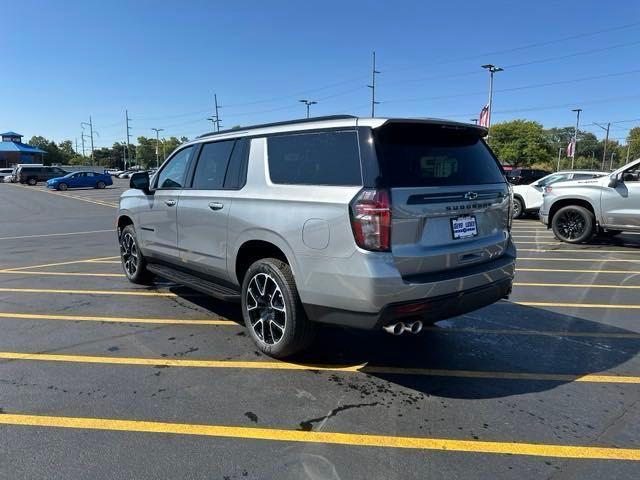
(614, 180)
(140, 181)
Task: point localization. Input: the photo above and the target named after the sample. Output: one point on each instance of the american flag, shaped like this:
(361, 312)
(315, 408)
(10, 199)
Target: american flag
(571, 148)
(484, 116)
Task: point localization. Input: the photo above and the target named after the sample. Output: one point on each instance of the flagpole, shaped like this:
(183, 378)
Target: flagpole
(575, 136)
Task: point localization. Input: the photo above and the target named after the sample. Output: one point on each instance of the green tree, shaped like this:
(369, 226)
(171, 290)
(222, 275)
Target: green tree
(54, 155)
(520, 143)
(633, 141)
(66, 150)
(146, 152)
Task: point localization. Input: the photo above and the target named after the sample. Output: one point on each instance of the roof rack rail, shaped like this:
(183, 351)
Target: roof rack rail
(276, 124)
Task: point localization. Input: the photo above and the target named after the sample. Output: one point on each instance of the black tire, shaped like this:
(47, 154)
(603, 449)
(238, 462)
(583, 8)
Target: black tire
(573, 224)
(32, 181)
(289, 330)
(101, 184)
(518, 208)
(133, 263)
(62, 186)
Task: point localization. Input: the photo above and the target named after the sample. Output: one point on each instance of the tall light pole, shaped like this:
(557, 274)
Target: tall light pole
(157, 130)
(308, 103)
(606, 141)
(559, 155)
(126, 148)
(575, 136)
(374, 72)
(492, 69)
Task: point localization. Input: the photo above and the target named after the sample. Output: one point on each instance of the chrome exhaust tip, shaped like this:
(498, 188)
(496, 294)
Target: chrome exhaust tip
(395, 328)
(414, 327)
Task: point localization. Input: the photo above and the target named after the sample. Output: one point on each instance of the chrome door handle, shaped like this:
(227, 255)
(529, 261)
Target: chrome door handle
(169, 203)
(216, 205)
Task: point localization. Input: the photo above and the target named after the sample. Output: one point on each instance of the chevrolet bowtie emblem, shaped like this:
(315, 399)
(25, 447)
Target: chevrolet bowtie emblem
(471, 195)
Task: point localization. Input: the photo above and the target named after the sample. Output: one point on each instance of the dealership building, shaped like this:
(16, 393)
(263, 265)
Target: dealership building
(13, 151)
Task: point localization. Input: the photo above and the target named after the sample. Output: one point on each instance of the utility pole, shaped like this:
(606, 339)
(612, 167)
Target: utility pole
(559, 155)
(308, 103)
(474, 120)
(628, 151)
(575, 136)
(90, 124)
(606, 141)
(82, 135)
(492, 69)
(126, 148)
(215, 101)
(374, 72)
(157, 130)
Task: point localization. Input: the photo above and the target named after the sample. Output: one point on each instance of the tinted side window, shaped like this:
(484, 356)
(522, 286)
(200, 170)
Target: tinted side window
(582, 176)
(174, 172)
(237, 169)
(322, 158)
(212, 165)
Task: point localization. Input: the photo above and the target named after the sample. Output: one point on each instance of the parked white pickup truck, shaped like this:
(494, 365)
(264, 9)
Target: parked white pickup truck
(577, 210)
(528, 198)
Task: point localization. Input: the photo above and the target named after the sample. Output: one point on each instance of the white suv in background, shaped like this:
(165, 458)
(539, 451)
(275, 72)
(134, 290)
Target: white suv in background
(528, 198)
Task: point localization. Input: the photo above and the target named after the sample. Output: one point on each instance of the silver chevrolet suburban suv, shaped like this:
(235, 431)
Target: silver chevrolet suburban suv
(369, 223)
(609, 205)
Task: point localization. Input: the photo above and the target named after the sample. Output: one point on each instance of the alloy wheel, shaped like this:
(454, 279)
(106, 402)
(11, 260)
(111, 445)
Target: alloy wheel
(571, 224)
(129, 253)
(266, 308)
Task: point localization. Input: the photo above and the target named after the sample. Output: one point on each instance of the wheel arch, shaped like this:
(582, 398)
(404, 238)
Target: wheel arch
(581, 202)
(255, 245)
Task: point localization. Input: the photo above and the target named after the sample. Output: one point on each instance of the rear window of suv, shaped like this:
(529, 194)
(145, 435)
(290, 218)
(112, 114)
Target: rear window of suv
(426, 155)
(319, 158)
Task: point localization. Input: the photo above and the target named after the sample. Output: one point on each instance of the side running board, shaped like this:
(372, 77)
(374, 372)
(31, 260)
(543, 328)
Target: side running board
(196, 283)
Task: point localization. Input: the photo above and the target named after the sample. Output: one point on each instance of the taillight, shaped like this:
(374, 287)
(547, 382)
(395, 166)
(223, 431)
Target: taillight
(548, 189)
(371, 220)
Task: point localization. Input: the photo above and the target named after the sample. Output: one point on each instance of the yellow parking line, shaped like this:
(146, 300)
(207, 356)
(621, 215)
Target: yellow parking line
(57, 234)
(176, 321)
(572, 285)
(580, 250)
(361, 368)
(88, 318)
(63, 274)
(566, 259)
(334, 438)
(71, 262)
(578, 305)
(105, 261)
(515, 331)
(569, 270)
(542, 242)
(139, 293)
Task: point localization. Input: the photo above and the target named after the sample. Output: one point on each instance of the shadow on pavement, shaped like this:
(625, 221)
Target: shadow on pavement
(437, 349)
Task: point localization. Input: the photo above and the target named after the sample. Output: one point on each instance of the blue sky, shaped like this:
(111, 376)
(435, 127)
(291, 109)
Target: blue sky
(161, 60)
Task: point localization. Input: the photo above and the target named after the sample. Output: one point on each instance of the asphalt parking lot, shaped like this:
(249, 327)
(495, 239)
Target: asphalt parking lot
(100, 378)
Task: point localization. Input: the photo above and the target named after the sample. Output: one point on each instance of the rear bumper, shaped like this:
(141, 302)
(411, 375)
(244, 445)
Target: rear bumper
(429, 310)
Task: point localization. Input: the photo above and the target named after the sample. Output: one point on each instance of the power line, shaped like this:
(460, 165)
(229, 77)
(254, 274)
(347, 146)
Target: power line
(526, 46)
(513, 89)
